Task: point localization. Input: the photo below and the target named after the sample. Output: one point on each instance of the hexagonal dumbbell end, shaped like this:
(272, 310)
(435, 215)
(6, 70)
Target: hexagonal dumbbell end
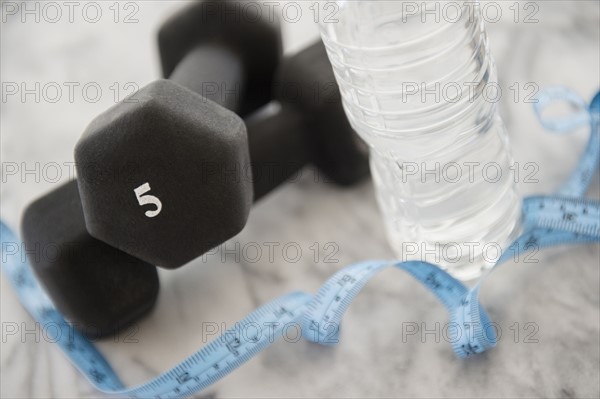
(161, 177)
(98, 288)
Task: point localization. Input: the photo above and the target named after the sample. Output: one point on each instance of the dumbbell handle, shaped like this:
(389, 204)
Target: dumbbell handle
(214, 72)
(278, 147)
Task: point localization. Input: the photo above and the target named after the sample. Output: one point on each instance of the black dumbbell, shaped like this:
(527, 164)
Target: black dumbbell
(165, 179)
(98, 288)
(226, 51)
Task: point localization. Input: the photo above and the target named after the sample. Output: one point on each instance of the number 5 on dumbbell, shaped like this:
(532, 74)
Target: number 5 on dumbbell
(148, 199)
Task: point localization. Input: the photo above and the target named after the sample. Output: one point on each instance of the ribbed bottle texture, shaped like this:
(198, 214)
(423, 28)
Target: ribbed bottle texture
(420, 88)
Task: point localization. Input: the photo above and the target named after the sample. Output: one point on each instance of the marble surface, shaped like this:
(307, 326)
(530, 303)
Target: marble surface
(559, 294)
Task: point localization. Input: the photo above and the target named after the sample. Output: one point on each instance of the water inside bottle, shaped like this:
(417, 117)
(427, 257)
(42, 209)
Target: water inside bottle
(421, 90)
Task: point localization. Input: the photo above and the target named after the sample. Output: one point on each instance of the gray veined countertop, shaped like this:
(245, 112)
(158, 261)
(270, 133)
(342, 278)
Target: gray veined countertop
(548, 311)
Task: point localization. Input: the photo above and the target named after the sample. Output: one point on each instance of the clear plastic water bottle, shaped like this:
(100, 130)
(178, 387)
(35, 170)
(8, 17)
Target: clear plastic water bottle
(419, 86)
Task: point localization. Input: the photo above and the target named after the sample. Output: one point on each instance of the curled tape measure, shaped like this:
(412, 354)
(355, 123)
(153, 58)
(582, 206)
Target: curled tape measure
(566, 218)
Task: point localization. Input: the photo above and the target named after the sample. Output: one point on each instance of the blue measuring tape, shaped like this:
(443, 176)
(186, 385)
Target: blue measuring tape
(566, 218)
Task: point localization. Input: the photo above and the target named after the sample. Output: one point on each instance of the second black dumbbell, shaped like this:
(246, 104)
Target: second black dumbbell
(305, 124)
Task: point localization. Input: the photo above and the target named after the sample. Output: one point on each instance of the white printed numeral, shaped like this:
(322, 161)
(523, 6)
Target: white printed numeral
(148, 199)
